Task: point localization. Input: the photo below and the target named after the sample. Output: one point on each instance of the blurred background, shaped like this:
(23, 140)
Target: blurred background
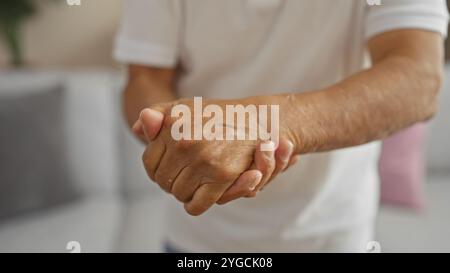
(70, 170)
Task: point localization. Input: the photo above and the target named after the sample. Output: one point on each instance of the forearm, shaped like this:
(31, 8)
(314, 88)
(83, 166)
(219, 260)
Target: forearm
(145, 88)
(393, 94)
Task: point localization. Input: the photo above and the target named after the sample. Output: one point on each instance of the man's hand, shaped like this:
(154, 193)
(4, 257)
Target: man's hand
(268, 164)
(150, 86)
(196, 172)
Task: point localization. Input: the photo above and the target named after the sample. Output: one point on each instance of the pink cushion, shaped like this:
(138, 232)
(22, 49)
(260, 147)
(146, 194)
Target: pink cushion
(402, 167)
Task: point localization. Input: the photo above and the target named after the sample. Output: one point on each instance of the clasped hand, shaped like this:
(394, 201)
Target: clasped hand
(201, 173)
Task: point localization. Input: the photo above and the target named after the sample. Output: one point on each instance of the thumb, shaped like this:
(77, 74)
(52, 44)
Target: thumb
(151, 120)
(244, 186)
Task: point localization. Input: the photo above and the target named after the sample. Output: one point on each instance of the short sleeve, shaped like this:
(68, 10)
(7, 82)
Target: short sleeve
(149, 33)
(429, 15)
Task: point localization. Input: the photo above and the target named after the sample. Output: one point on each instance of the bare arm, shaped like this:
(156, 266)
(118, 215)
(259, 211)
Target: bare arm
(146, 86)
(400, 89)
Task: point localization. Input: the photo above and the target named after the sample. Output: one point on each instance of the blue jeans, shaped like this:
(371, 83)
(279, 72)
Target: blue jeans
(169, 248)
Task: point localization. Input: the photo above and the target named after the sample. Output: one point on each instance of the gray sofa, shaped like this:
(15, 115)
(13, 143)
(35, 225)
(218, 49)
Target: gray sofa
(94, 218)
(118, 209)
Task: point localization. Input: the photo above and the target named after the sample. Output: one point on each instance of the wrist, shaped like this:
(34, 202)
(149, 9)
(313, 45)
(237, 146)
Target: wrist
(287, 118)
(290, 121)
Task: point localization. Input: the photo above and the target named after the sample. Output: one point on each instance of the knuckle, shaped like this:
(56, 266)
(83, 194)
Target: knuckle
(251, 194)
(168, 120)
(181, 198)
(271, 165)
(270, 160)
(145, 158)
(167, 123)
(268, 171)
(221, 202)
(205, 151)
(218, 170)
(161, 178)
(224, 173)
(281, 163)
(184, 144)
(215, 163)
(266, 161)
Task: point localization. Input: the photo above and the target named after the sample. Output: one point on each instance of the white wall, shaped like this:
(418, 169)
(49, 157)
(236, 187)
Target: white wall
(70, 36)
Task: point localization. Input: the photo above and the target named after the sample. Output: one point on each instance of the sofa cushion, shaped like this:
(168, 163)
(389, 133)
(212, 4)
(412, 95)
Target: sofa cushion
(33, 166)
(402, 167)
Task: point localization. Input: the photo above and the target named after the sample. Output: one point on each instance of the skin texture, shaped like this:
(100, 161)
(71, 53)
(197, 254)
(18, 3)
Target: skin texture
(400, 89)
(182, 167)
(265, 167)
(250, 181)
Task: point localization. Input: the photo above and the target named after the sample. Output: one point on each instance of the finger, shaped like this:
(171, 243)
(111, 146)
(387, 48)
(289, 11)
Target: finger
(184, 185)
(137, 128)
(152, 122)
(282, 157)
(152, 157)
(293, 161)
(205, 197)
(170, 166)
(265, 162)
(242, 187)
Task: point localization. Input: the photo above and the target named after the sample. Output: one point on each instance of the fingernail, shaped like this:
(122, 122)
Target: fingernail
(153, 114)
(256, 181)
(142, 113)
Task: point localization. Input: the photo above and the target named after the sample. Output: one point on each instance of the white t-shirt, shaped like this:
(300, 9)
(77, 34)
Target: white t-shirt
(239, 48)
